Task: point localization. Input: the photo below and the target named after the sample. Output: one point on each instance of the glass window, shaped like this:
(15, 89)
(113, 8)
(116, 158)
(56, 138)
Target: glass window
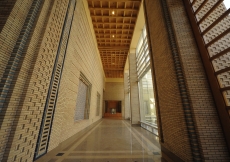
(147, 100)
(142, 54)
(83, 99)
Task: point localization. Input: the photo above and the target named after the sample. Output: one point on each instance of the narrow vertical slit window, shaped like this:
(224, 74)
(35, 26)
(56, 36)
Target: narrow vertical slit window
(146, 95)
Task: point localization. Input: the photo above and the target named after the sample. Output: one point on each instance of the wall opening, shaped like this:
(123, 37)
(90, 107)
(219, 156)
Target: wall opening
(113, 109)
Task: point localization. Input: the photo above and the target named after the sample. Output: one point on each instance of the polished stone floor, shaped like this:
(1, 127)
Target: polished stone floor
(108, 141)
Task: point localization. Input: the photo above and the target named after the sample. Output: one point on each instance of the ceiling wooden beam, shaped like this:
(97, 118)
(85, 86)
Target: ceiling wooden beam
(107, 53)
(124, 17)
(119, 50)
(113, 9)
(113, 29)
(102, 49)
(99, 34)
(113, 47)
(112, 51)
(112, 43)
(110, 69)
(112, 23)
(113, 39)
(122, 53)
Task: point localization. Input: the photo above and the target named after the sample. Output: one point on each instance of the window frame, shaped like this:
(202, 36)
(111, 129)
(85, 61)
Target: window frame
(83, 79)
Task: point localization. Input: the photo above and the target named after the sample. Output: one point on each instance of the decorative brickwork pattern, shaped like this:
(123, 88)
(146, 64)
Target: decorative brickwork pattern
(81, 56)
(207, 122)
(25, 128)
(49, 110)
(220, 45)
(183, 87)
(17, 54)
(11, 30)
(17, 80)
(174, 135)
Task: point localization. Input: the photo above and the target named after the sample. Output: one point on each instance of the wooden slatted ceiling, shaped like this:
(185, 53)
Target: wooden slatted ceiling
(114, 22)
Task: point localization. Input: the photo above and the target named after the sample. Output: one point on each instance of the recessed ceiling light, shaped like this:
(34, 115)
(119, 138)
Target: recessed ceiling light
(113, 36)
(113, 63)
(113, 12)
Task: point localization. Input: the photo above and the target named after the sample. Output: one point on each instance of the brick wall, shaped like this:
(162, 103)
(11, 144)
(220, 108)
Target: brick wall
(82, 56)
(222, 44)
(11, 29)
(175, 136)
(22, 76)
(25, 105)
(29, 94)
(115, 91)
(207, 121)
(208, 130)
(6, 7)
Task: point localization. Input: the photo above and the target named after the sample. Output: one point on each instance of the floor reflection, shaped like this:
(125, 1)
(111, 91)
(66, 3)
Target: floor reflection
(109, 141)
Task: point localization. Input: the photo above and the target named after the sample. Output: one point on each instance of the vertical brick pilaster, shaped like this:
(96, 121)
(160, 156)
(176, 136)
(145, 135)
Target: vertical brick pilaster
(206, 120)
(134, 93)
(172, 34)
(175, 141)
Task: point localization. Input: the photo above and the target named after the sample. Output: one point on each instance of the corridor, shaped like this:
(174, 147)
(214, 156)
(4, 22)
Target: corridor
(107, 140)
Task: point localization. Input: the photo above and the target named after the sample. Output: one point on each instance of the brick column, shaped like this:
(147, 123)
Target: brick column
(127, 92)
(190, 125)
(134, 94)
